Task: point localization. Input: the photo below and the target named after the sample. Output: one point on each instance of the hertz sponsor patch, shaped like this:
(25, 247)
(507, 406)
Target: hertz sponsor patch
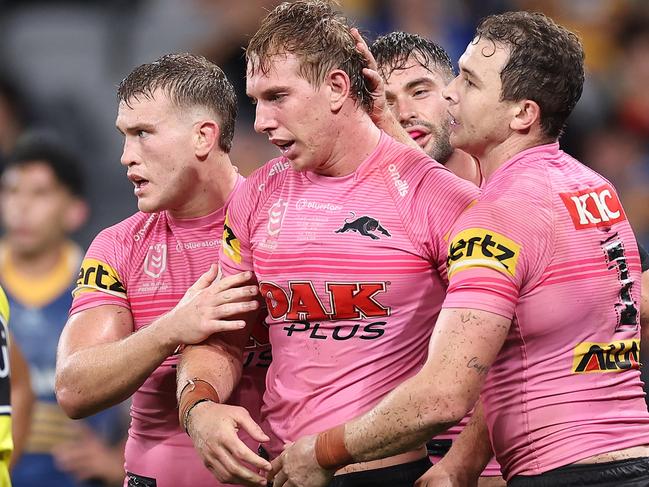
(477, 247)
(231, 245)
(606, 357)
(96, 275)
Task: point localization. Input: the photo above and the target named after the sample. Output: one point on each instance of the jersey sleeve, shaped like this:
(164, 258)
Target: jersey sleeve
(437, 201)
(235, 255)
(102, 275)
(498, 250)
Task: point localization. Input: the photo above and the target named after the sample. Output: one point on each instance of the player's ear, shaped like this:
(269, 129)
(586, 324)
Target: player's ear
(525, 114)
(339, 87)
(206, 137)
(76, 214)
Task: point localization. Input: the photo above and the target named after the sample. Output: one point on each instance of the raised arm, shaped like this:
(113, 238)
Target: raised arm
(381, 114)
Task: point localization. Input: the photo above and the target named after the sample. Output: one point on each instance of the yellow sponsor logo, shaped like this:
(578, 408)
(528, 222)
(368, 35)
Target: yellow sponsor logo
(231, 245)
(477, 247)
(97, 276)
(606, 357)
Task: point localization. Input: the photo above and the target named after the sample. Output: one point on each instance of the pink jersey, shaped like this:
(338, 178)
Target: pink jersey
(548, 245)
(353, 273)
(145, 264)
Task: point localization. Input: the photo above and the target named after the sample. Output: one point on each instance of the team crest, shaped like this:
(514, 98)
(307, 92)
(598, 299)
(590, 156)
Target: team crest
(155, 261)
(365, 225)
(276, 215)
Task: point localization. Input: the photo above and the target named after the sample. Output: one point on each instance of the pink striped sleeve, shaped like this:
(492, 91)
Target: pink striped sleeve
(102, 277)
(498, 248)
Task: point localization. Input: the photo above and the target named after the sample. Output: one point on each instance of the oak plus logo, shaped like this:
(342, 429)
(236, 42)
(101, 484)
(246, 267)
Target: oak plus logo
(155, 261)
(305, 309)
(594, 207)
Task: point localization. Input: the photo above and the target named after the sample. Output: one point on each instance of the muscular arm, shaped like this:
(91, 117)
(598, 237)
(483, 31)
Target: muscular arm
(462, 348)
(22, 398)
(101, 362)
(218, 360)
(467, 458)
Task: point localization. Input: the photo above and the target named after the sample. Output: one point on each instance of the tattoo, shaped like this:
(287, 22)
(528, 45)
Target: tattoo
(480, 368)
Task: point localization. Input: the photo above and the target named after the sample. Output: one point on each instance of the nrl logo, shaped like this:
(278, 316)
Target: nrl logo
(155, 261)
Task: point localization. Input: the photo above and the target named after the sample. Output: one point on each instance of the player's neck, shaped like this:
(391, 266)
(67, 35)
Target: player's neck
(212, 191)
(464, 166)
(494, 157)
(35, 264)
(355, 139)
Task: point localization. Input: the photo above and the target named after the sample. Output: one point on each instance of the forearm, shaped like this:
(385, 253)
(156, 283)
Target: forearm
(94, 378)
(214, 361)
(471, 450)
(405, 419)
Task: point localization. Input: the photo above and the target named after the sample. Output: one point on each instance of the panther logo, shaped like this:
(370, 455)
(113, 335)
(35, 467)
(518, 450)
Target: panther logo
(364, 225)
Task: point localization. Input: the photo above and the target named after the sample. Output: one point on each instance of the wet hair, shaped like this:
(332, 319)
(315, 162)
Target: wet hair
(546, 64)
(393, 51)
(44, 148)
(319, 36)
(189, 80)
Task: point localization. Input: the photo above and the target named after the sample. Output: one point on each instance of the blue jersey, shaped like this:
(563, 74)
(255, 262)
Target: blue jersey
(38, 315)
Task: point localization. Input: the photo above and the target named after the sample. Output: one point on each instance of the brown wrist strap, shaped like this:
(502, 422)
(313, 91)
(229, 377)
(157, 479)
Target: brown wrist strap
(193, 393)
(330, 450)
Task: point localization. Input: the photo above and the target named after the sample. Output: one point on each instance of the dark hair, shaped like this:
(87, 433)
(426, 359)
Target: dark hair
(189, 80)
(392, 52)
(319, 36)
(546, 64)
(44, 148)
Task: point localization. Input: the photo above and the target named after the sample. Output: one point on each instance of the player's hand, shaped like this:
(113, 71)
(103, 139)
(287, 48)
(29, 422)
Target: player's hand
(211, 306)
(297, 466)
(213, 429)
(440, 475)
(373, 80)
(89, 458)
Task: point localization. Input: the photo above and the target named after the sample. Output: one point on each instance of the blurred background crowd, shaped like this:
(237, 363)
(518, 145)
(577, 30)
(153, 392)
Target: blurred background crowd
(61, 61)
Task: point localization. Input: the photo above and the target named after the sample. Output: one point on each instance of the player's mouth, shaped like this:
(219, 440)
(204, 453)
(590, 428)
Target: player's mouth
(420, 136)
(284, 146)
(139, 182)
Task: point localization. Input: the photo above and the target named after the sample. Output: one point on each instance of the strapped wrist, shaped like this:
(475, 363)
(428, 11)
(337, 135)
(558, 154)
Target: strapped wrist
(330, 450)
(194, 392)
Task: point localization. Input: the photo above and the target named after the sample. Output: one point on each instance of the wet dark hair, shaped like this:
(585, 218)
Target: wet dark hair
(546, 64)
(392, 52)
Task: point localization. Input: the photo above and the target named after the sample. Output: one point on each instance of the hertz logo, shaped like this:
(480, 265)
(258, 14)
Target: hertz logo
(231, 245)
(606, 357)
(477, 247)
(96, 275)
